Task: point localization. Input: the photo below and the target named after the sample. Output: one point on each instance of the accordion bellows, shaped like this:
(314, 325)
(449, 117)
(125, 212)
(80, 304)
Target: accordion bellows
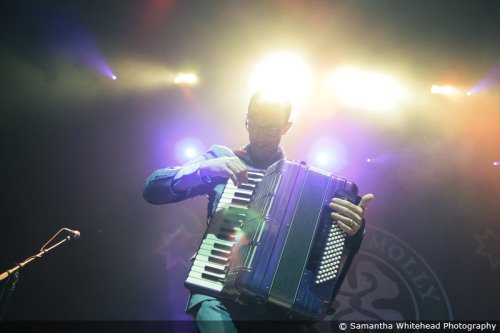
(272, 242)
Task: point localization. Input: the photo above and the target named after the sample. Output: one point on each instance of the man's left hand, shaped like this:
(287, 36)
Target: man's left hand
(348, 215)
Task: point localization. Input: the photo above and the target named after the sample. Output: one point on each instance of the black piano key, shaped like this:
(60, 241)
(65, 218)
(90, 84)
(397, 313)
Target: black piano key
(215, 270)
(246, 186)
(231, 238)
(220, 253)
(234, 216)
(242, 195)
(210, 277)
(233, 219)
(241, 201)
(234, 225)
(228, 230)
(222, 247)
(219, 261)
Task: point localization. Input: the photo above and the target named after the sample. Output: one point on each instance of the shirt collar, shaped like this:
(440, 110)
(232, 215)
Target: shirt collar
(246, 156)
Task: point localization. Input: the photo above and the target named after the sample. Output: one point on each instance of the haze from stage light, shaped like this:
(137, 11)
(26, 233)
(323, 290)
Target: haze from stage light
(367, 90)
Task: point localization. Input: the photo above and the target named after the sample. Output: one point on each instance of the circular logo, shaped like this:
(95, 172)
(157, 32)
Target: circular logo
(389, 281)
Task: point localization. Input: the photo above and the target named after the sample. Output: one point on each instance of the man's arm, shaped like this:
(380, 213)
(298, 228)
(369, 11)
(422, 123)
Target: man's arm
(160, 185)
(178, 183)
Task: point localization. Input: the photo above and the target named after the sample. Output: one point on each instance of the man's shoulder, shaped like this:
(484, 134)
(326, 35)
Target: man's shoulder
(217, 151)
(220, 151)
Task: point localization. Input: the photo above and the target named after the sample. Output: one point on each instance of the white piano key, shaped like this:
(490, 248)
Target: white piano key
(234, 189)
(196, 279)
(212, 248)
(208, 253)
(212, 237)
(204, 263)
(232, 197)
(201, 269)
(203, 259)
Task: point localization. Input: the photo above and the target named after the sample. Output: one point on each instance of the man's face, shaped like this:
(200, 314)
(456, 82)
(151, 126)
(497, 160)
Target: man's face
(265, 129)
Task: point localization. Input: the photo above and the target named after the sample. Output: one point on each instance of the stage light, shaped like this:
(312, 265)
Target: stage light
(187, 149)
(113, 77)
(328, 154)
(496, 163)
(368, 90)
(185, 78)
(444, 90)
(283, 74)
(190, 152)
(491, 79)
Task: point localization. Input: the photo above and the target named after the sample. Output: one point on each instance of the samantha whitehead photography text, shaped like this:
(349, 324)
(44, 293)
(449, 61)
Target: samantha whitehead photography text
(484, 326)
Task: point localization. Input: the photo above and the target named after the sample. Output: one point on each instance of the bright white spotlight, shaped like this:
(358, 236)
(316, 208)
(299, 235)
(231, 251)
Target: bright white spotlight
(367, 90)
(191, 152)
(444, 90)
(496, 163)
(185, 78)
(328, 154)
(113, 77)
(187, 149)
(285, 75)
(447, 90)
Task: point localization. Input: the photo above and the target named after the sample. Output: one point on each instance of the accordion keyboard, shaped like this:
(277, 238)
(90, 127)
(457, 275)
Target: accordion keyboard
(210, 265)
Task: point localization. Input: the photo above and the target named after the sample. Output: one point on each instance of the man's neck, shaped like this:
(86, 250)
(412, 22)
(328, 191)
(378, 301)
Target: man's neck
(263, 164)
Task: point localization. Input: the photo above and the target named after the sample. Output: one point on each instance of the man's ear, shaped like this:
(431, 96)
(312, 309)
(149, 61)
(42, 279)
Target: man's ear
(286, 128)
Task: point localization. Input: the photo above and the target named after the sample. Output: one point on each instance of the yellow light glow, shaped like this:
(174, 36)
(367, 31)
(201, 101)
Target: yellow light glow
(185, 78)
(368, 90)
(284, 75)
(444, 90)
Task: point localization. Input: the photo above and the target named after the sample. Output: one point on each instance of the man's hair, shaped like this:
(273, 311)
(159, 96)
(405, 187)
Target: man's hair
(268, 103)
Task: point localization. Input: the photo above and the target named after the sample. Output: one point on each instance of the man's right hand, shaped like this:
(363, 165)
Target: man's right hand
(230, 167)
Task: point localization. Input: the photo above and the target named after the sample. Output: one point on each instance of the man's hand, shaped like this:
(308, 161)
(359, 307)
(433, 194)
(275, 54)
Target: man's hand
(230, 167)
(348, 215)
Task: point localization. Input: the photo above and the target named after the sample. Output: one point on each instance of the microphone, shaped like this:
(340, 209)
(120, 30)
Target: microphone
(75, 234)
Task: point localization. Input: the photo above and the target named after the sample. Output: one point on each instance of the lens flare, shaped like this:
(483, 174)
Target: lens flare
(367, 90)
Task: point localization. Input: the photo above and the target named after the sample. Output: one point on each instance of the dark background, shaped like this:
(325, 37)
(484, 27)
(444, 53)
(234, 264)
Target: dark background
(77, 146)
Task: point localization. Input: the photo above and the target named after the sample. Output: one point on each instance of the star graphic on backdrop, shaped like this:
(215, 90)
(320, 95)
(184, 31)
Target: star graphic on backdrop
(489, 247)
(178, 246)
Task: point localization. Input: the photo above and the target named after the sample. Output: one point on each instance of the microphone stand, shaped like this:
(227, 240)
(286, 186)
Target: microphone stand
(8, 272)
(9, 287)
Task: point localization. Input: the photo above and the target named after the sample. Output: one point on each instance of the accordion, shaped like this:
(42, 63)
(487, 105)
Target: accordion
(272, 242)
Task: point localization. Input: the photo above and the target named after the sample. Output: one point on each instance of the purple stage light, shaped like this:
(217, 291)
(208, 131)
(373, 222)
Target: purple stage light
(491, 79)
(188, 149)
(328, 154)
(72, 39)
(496, 163)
